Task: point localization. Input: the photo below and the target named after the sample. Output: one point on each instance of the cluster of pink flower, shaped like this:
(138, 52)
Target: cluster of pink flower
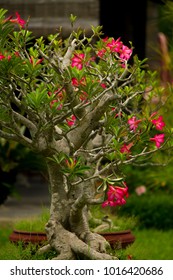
(115, 46)
(21, 22)
(124, 53)
(78, 60)
(32, 60)
(116, 196)
(158, 138)
(110, 45)
(158, 123)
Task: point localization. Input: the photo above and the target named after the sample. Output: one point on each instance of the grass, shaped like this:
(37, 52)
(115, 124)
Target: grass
(33, 224)
(150, 244)
(11, 251)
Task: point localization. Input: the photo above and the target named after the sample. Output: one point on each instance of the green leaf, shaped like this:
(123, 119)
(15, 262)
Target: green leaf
(102, 187)
(72, 19)
(4, 114)
(58, 158)
(38, 98)
(75, 167)
(97, 30)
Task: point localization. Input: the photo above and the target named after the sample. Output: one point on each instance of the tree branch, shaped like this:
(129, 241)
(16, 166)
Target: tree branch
(21, 139)
(90, 121)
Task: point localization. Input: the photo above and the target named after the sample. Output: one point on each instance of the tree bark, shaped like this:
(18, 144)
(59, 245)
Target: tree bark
(68, 229)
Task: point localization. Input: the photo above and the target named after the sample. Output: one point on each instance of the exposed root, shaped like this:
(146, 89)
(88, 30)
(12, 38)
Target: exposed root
(97, 242)
(44, 249)
(81, 248)
(69, 247)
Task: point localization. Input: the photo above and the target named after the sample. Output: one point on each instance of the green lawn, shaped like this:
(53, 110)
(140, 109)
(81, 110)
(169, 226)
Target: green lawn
(150, 244)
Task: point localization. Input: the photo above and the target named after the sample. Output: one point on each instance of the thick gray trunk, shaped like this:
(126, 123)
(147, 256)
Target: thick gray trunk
(67, 229)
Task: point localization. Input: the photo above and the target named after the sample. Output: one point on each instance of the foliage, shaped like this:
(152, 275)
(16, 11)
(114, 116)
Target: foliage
(10, 156)
(165, 24)
(15, 158)
(165, 20)
(152, 209)
(160, 176)
(41, 84)
(157, 178)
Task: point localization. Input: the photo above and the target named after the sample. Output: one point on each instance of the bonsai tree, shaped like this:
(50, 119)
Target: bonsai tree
(85, 104)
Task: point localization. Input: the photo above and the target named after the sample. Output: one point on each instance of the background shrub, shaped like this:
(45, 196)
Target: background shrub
(155, 178)
(152, 210)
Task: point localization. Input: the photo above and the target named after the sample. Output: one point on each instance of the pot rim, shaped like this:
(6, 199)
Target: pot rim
(115, 232)
(29, 232)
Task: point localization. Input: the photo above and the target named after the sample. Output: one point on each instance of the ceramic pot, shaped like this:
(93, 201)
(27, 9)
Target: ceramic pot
(27, 237)
(119, 239)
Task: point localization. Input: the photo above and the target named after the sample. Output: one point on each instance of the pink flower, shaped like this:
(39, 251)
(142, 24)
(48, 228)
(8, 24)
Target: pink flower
(71, 121)
(115, 45)
(9, 57)
(116, 192)
(119, 114)
(77, 83)
(1, 56)
(158, 139)
(118, 47)
(105, 39)
(125, 149)
(83, 96)
(101, 53)
(17, 54)
(77, 60)
(140, 190)
(153, 114)
(133, 122)
(108, 203)
(159, 123)
(125, 52)
(59, 98)
(103, 85)
(18, 20)
(59, 106)
(116, 196)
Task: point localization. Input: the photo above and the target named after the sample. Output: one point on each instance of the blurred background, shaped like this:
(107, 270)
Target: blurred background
(130, 20)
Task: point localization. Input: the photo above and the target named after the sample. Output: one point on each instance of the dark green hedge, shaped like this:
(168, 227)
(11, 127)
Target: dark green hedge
(154, 210)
